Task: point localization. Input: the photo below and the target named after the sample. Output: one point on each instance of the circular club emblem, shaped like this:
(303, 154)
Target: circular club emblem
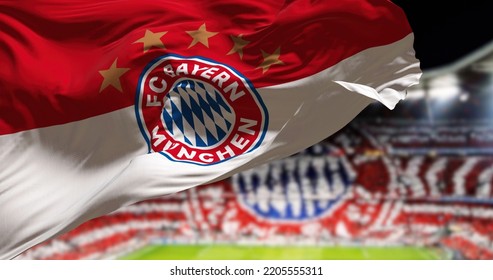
(198, 111)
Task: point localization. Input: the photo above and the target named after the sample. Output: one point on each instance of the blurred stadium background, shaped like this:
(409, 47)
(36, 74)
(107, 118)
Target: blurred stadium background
(412, 183)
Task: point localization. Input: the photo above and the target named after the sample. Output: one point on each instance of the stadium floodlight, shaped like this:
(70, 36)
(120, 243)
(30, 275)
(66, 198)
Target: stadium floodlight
(440, 88)
(444, 87)
(463, 97)
(415, 93)
(444, 93)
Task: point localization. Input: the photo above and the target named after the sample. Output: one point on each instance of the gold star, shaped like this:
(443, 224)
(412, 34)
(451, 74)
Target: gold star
(201, 35)
(270, 59)
(112, 76)
(152, 39)
(240, 43)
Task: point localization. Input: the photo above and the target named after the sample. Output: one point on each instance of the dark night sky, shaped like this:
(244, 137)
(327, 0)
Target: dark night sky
(450, 31)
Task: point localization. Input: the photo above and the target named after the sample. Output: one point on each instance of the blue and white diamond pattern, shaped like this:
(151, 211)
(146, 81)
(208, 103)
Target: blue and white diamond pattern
(196, 114)
(296, 188)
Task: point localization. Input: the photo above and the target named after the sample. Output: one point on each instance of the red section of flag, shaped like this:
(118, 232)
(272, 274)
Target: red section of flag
(67, 61)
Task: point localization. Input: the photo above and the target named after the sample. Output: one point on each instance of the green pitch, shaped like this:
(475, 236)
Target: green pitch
(233, 252)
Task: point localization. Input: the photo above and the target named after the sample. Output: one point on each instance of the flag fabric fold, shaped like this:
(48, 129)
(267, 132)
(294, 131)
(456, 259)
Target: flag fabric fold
(106, 103)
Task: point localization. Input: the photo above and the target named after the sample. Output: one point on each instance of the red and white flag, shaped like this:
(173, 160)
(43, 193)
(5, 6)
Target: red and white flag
(106, 103)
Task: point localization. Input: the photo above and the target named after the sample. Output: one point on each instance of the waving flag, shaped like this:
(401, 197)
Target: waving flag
(106, 103)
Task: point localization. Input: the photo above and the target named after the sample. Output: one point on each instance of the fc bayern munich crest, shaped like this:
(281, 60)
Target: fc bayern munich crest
(194, 110)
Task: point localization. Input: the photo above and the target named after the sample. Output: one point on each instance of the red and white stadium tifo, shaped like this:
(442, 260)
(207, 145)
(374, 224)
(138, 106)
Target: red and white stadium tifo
(421, 175)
